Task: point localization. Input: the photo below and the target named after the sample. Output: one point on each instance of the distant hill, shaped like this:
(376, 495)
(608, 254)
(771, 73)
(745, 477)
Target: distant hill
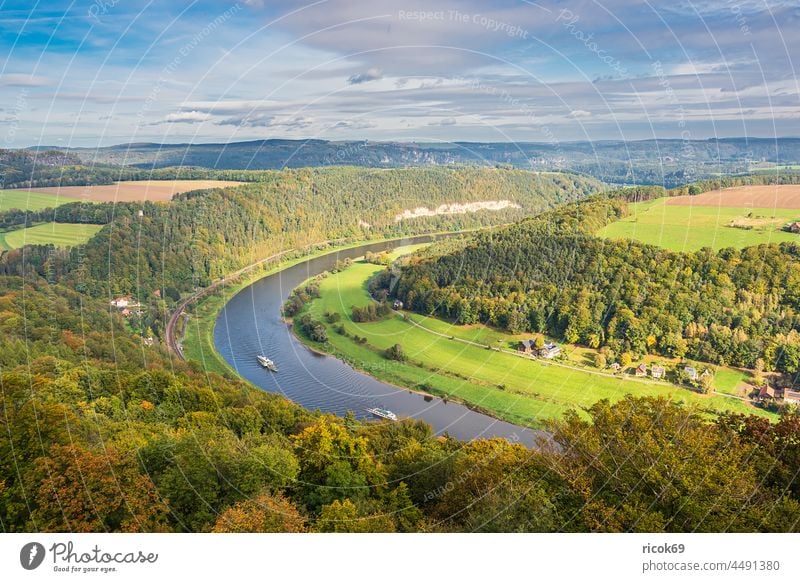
(664, 162)
(200, 236)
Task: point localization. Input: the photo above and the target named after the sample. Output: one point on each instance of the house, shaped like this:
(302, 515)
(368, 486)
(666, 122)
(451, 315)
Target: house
(791, 396)
(706, 374)
(615, 367)
(125, 312)
(397, 304)
(121, 302)
(769, 392)
(794, 227)
(657, 371)
(526, 346)
(641, 370)
(549, 350)
(691, 373)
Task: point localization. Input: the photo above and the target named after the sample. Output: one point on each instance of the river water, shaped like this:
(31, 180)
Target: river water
(250, 324)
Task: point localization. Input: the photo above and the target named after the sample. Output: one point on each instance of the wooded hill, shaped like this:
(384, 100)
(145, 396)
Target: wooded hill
(101, 433)
(201, 236)
(552, 274)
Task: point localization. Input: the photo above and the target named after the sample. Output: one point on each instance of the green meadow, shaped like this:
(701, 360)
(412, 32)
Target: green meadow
(689, 228)
(514, 388)
(24, 200)
(58, 234)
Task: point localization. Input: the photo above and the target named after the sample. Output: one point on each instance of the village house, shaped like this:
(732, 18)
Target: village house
(691, 372)
(794, 227)
(397, 304)
(791, 396)
(641, 371)
(615, 367)
(121, 302)
(549, 350)
(770, 392)
(658, 371)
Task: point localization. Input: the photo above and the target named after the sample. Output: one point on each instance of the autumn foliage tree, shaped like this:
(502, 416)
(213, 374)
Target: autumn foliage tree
(265, 513)
(78, 490)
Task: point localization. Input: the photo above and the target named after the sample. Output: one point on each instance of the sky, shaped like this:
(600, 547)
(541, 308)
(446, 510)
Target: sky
(104, 72)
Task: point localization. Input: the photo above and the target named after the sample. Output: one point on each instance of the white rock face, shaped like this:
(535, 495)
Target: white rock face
(456, 208)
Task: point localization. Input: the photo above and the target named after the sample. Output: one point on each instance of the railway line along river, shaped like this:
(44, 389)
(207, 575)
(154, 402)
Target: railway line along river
(251, 324)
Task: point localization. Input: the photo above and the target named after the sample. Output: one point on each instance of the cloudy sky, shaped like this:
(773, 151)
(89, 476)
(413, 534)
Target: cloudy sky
(115, 71)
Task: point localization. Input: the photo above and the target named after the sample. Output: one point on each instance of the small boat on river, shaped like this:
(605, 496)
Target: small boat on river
(382, 413)
(267, 363)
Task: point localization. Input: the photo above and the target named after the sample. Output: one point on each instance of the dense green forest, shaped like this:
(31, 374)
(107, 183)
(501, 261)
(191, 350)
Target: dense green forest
(102, 433)
(551, 274)
(201, 236)
(38, 169)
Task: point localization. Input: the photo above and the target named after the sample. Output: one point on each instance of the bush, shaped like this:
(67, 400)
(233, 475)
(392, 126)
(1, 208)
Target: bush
(395, 353)
(313, 329)
(371, 312)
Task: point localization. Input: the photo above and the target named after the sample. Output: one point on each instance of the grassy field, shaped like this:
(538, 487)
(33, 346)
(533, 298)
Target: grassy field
(688, 228)
(198, 339)
(521, 390)
(24, 200)
(59, 234)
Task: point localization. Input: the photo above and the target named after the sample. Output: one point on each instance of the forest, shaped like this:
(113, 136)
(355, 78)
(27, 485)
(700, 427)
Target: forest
(101, 433)
(201, 236)
(551, 274)
(38, 169)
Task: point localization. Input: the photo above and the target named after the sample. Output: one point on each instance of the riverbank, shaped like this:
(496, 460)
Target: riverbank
(197, 341)
(496, 381)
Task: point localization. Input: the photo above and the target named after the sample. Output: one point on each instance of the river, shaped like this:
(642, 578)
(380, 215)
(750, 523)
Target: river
(251, 323)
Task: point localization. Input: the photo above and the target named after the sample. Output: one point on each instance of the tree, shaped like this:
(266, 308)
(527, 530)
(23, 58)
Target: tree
(77, 490)
(395, 352)
(266, 513)
(600, 361)
(625, 360)
(649, 464)
(334, 464)
(706, 383)
(344, 517)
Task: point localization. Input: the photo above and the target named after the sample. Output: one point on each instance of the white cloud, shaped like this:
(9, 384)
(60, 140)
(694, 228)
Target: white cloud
(372, 74)
(187, 117)
(22, 80)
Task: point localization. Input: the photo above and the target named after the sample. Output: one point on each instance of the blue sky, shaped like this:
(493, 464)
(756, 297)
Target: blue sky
(114, 71)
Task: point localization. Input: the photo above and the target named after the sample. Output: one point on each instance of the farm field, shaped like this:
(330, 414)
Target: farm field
(26, 200)
(59, 234)
(684, 227)
(134, 191)
(785, 196)
(513, 388)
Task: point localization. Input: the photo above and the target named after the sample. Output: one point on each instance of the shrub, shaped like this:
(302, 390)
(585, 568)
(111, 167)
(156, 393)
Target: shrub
(395, 353)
